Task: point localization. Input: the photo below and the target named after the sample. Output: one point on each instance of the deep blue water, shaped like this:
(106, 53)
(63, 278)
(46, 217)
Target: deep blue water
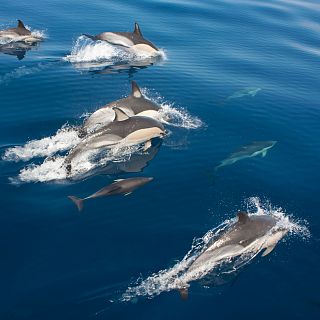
(59, 264)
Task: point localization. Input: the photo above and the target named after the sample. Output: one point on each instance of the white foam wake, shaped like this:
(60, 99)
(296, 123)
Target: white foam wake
(64, 139)
(177, 276)
(91, 53)
(54, 168)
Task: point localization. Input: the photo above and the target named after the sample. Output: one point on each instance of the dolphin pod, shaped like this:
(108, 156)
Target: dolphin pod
(134, 123)
(133, 41)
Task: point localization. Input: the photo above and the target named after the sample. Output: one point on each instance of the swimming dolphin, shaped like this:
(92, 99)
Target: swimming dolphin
(250, 91)
(134, 104)
(254, 149)
(20, 33)
(127, 132)
(120, 186)
(134, 41)
(249, 234)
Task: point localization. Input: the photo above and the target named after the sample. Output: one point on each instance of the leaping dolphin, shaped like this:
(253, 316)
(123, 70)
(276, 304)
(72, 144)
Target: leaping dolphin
(134, 104)
(130, 131)
(119, 186)
(134, 41)
(20, 33)
(254, 149)
(249, 234)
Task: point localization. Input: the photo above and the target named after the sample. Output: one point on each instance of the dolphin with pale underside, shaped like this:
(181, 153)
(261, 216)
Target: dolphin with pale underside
(134, 104)
(127, 132)
(134, 41)
(250, 233)
(254, 149)
(20, 33)
(120, 186)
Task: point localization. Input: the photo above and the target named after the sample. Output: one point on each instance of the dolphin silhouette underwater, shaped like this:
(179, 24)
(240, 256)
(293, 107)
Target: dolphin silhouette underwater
(134, 104)
(250, 91)
(127, 132)
(250, 233)
(254, 149)
(133, 41)
(119, 186)
(20, 33)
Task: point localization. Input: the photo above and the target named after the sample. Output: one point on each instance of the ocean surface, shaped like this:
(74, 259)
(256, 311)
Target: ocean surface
(229, 73)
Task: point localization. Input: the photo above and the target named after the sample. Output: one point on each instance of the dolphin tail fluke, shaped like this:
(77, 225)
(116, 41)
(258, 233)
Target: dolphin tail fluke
(89, 36)
(77, 201)
(184, 293)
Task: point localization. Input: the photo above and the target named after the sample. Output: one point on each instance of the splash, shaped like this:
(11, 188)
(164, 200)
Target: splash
(87, 53)
(178, 276)
(54, 168)
(64, 139)
(171, 115)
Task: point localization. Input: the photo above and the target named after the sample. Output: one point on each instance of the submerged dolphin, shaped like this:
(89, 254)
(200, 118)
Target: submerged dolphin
(250, 91)
(120, 186)
(249, 234)
(252, 150)
(20, 33)
(130, 131)
(134, 104)
(134, 41)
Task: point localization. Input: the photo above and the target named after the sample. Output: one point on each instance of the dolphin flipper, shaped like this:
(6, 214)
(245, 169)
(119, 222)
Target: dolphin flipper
(77, 201)
(268, 250)
(264, 153)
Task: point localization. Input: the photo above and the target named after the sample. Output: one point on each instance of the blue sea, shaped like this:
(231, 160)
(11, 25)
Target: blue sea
(229, 73)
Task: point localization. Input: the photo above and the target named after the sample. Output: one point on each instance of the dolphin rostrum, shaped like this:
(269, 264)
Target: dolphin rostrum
(134, 104)
(134, 41)
(249, 234)
(254, 149)
(120, 186)
(127, 132)
(20, 33)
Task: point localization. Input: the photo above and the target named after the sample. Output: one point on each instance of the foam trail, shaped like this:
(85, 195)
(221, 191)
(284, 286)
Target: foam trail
(64, 139)
(178, 277)
(54, 169)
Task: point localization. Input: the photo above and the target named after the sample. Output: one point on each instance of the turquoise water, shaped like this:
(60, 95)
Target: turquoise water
(59, 264)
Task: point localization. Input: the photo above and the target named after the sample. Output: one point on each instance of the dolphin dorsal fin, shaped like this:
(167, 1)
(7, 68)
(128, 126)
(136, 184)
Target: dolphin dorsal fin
(137, 30)
(21, 25)
(136, 92)
(120, 115)
(242, 217)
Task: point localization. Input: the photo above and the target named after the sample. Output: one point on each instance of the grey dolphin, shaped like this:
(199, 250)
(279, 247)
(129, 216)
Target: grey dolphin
(250, 91)
(130, 40)
(254, 149)
(249, 234)
(20, 33)
(120, 186)
(130, 131)
(134, 104)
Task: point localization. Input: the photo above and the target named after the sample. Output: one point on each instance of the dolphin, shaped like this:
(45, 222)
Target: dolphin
(250, 91)
(134, 104)
(20, 33)
(254, 149)
(127, 132)
(120, 186)
(134, 41)
(252, 233)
